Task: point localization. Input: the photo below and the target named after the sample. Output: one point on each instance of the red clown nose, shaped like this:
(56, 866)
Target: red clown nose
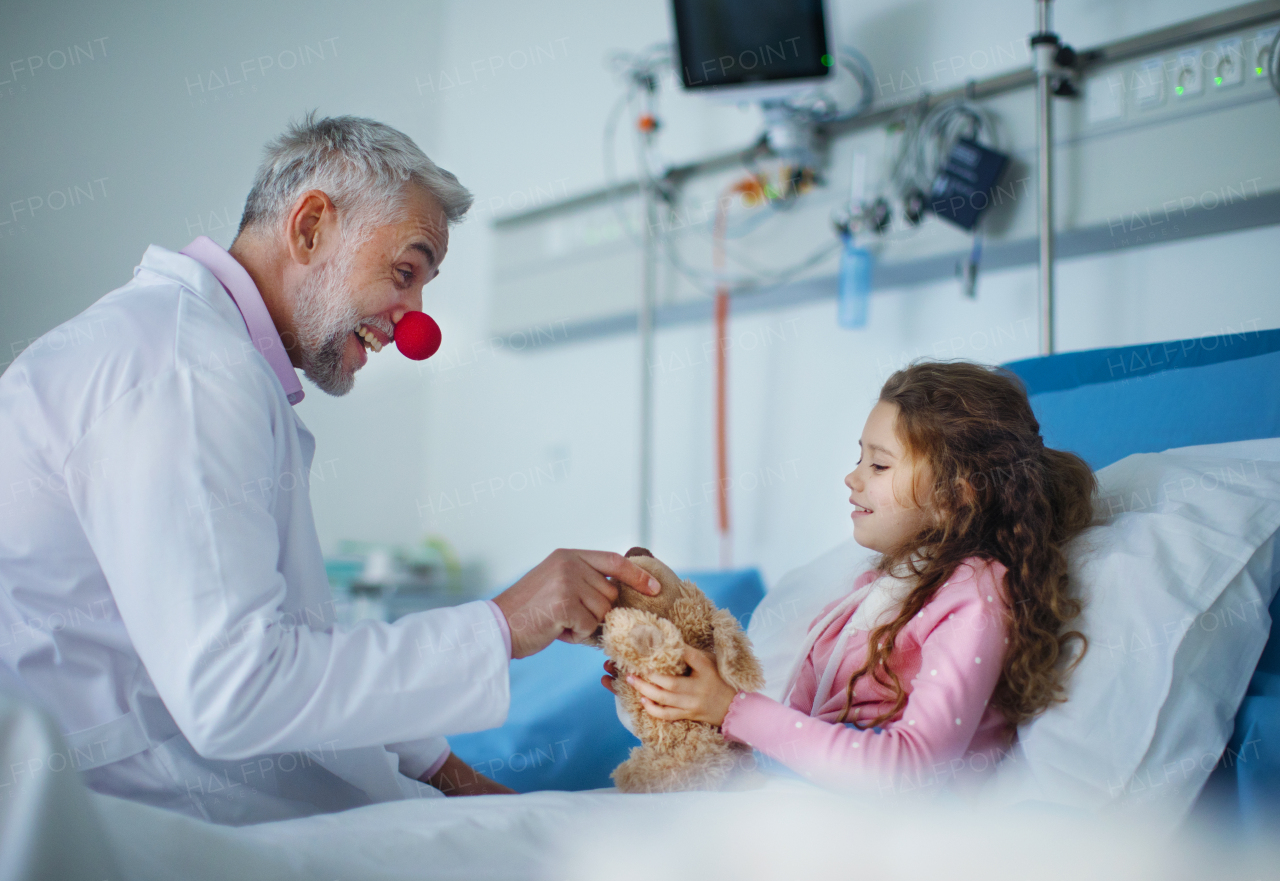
(417, 336)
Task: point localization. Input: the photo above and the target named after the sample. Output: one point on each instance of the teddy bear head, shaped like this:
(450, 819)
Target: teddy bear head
(680, 602)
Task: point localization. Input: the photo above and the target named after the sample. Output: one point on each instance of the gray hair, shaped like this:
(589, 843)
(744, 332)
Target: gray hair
(362, 165)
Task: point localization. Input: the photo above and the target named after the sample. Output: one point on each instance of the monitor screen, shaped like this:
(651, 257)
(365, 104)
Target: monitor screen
(735, 42)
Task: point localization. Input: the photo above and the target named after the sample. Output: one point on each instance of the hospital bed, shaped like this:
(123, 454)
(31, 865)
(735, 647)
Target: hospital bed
(1106, 404)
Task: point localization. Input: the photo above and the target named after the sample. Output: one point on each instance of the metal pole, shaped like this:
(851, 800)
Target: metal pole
(648, 305)
(1045, 44)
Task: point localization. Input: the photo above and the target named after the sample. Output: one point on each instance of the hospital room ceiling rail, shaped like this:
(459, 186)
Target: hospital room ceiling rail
(1203, 27)
(1020, 252)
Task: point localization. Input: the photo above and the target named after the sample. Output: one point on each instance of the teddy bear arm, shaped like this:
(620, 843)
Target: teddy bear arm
(735, 659)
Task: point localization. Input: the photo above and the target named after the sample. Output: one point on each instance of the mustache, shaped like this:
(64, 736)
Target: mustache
(377, 323)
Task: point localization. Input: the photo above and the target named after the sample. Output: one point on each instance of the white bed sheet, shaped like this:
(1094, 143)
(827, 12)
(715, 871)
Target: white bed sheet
(784, 830)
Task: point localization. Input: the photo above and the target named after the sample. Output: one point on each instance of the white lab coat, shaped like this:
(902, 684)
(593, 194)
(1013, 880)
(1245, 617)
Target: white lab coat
(162, 590)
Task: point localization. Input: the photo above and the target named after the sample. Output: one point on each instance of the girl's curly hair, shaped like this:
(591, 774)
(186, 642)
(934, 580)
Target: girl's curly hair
(999, 494)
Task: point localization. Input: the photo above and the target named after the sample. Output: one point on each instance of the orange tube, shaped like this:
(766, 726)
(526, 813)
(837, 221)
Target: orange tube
(721, 380)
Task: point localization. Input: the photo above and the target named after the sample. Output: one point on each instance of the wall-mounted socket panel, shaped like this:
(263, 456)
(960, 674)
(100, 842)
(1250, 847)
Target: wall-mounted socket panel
(1261, 50)
(1188, 73)
(1228, 63)
(1147, 84)
(1194, 79)
(1104, 97)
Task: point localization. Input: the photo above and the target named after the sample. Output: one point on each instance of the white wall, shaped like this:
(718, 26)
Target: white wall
(542, 445)
(168, 153)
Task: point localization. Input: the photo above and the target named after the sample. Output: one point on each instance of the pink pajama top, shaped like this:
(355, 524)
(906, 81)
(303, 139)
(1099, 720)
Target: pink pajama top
(948, 659)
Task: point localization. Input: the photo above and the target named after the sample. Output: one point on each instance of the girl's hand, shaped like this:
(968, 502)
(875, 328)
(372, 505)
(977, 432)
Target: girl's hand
(702, 696)
(611, 672)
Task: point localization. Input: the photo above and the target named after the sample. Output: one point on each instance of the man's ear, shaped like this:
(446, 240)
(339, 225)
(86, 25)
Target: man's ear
(312, 221)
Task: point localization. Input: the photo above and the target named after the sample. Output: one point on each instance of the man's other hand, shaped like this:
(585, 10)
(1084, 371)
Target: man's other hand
(456, 777)
(566, 596)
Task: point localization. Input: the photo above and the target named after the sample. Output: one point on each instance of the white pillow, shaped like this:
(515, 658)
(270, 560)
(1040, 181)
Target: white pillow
(779, 623)
(1177, 582)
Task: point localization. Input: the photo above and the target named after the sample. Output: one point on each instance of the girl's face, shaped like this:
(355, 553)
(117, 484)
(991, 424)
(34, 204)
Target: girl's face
(885, 485)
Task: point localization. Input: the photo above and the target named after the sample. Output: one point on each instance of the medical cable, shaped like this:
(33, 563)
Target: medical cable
(641, 72)
(1273, 64)
(927, 138)
(821, 108)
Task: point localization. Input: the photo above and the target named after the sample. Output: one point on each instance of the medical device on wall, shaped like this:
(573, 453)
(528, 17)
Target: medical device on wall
(752, 49)
(961, 190)
(777, 55)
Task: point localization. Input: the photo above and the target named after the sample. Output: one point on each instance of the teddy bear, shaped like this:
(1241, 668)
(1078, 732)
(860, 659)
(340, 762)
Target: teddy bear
(647, 634)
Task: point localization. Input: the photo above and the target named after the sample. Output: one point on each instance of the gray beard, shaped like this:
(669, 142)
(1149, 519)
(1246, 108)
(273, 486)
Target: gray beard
(323, 318)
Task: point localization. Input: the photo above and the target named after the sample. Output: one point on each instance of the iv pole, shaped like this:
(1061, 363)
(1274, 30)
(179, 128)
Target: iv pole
(1045, 45)
(648, 304)
(647, 124)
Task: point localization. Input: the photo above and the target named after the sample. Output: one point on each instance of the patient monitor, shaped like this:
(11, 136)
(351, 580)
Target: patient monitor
(758, 51)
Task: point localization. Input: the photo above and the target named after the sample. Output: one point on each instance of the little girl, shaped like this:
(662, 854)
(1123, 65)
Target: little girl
(927, 666)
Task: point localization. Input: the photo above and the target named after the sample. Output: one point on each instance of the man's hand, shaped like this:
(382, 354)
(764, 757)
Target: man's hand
(566, 596)
(456, 777)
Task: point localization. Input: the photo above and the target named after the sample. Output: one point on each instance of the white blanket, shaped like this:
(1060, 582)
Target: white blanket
(785, 830)
(52, 827)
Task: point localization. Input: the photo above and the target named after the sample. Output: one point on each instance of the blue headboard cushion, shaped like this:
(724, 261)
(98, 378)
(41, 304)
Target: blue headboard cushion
(1105, 404)
(1072, 369)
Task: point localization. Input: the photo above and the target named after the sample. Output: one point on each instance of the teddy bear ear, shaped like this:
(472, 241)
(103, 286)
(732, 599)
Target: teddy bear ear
(639, 552)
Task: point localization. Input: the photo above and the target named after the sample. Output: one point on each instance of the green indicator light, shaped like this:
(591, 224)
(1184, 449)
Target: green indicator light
(826, 60)
(1258, 71)
(1179, 90)
(1217, 80)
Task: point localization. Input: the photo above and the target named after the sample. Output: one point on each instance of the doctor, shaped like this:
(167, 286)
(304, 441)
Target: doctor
(162, 590)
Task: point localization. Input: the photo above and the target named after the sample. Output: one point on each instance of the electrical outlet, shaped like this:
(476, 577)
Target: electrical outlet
(1228, 65)
(1104, 97)
(1148, 84)
(1188, 74)
(1261, 49)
